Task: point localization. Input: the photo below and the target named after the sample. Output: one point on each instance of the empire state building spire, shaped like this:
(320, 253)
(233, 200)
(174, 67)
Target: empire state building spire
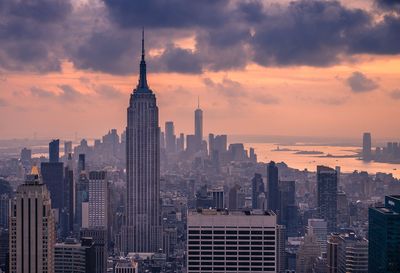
(142, 77)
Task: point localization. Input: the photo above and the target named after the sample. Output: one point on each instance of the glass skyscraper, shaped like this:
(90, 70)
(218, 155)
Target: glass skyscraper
(384, 237)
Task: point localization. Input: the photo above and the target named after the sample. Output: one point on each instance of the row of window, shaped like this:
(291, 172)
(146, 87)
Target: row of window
(231, 248)
(252, 232)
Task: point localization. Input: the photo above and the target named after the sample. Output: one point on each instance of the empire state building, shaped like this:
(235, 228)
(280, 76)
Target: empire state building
(143, 214)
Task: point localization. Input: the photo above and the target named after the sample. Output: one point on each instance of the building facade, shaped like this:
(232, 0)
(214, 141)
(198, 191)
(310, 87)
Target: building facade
(143, 215)
(384, 237)
(221, 241)
(327, 196)
(32, 231)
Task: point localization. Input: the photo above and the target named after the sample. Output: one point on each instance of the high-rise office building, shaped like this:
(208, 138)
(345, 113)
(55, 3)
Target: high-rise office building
(69, 196)
(333, 253)
(67, 148)
(257, 187)
(384, 236)
(143, 214)
(98, 236)
(98, 199)
(4, 210)
(81, 163)
(180, 143)
(288, 210)
(170, 138)
(32, 234)
(308, 252)
(72, 256)
(366, 152)
(217, 194)
(54, 151)
(327, 196)
(4, 249)
(198, 127)
(222, 241)
(318, 228)
(353, 253)
(26, 158)
(126, 265)
(53, 176)
(273, 187)
(81, 202)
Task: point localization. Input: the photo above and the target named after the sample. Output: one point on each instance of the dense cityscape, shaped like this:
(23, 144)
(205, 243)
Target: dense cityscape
(211, 136)
(157, 201)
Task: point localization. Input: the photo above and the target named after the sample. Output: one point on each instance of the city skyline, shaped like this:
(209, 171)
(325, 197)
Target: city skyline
(253, 80)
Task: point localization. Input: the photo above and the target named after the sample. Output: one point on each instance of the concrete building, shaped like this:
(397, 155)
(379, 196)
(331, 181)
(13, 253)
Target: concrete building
(221, 241)
(319, 228)
(126, 265)
(74, 257)
(98, 199)
(32, 230)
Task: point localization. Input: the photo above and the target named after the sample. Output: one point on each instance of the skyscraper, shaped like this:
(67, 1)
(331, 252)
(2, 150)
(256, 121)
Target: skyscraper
(366, 153)
(170, 138)
(143, 215)
(198, 126)
(384, 237)
(53, 177)
(273, 187)
(234, 241)
(327, 196)
(98, 199)
(32, 235)
(54, 151)
(257, 187)
(288, 211)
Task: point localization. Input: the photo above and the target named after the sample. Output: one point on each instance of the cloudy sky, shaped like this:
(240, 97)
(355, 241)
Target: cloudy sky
(309, 68)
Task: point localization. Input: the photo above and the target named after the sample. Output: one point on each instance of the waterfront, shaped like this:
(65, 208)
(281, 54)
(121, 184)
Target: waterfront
(343, 156)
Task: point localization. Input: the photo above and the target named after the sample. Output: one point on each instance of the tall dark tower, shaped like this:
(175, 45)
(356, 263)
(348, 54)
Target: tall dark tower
(143, 217)
(198, 126)
(273, 187)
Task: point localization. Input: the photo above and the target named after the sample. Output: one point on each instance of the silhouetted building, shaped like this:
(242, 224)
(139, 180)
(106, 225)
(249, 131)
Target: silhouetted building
(143, 214)
(100, 247)
(69, 195)
(288, 212)
(327, 196)
(273, 187)
(198, 127)
(257, 187)
(32, 233)
(366, 152)
(170, 138)
(384, 237)
(54, 151)
(53, 177)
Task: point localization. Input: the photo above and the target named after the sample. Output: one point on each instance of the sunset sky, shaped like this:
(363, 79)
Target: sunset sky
(308, 68)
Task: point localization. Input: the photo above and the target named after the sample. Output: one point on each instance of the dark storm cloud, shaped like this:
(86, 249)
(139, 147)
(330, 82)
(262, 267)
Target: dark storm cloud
(169, 13)
(359, 83)
(389, 5)
(30, 33)
(175, 59)
(311, 33)
(37, 35)
(108, 51)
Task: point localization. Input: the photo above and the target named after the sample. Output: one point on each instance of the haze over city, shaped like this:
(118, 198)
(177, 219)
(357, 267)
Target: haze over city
(178, 136)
